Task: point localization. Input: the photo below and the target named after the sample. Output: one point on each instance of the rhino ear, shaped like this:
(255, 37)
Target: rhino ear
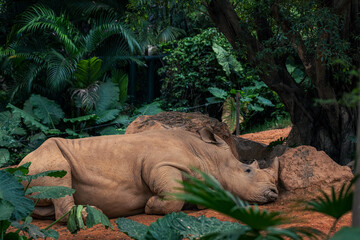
(207, 135)
(255, 164)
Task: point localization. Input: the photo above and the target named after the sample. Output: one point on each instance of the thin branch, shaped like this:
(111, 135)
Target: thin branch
(296, 41)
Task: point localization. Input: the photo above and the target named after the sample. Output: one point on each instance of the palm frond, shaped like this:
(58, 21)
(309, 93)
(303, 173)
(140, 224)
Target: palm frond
(108, 26)
(89, 8)
(334, 205)
(169, 33)
(59, 70)
(262, 224)
(209, 193)
(40, 17)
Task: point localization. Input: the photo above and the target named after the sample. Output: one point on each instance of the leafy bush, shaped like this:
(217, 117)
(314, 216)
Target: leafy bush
(191, 68)
(15, 205)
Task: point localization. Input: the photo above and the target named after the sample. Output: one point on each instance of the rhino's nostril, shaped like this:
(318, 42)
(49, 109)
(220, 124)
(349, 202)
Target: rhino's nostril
(274, 190)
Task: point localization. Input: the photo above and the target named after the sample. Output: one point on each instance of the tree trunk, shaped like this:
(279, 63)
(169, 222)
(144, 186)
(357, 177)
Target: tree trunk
(356, 200)
(327, 127)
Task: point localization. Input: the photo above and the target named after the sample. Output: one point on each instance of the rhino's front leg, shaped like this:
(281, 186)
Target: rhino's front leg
(163, 181)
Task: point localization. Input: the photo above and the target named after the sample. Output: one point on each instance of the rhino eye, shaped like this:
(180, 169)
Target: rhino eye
(248, 170)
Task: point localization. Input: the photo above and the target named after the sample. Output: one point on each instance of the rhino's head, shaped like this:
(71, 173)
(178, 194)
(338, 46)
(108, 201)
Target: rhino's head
(249, 182)
(258, 185)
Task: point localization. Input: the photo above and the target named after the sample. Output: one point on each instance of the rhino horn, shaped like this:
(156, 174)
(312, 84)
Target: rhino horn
(274, 168)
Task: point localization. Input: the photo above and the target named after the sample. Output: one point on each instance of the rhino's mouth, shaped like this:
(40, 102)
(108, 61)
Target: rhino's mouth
(271, 194)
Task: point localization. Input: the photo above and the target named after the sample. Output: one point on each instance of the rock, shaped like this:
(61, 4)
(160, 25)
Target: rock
(249, 150)
(188, 121)
(308, 170)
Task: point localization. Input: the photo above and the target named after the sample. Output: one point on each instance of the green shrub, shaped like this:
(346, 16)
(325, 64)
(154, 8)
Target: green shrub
(191, 68)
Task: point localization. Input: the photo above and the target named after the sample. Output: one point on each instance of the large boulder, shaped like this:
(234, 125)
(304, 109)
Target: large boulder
(188, 121)
(306, 170)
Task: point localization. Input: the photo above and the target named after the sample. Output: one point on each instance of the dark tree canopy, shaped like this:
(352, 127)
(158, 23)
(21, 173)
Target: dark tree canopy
(322, 37)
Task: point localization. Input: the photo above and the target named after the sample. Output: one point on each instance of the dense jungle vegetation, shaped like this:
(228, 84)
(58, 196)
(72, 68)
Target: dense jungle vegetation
(65, 68)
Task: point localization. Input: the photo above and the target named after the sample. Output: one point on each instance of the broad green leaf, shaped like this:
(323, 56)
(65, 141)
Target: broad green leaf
(49, 192)
(123, 119)
(50, 233)
(4, 156)
(33, 231)
(122, 79)
(19, 131)
(12, 191)
(132, 228)
(76, 134)
(81, 118)
(227, 60)
(87, 72)
(107, 116)
(264, 101)
(162, 228)
(229, 114)
(51, 173)
(346, 233)
(218, 93)
(20, 170)
(75, 222)
(49, 112)
(8, 141)
(96, 217)
(149, 109)
(255, 107)
(195, 227)
(108, 97)
(110, 131)
(6, 209)
(28, 119)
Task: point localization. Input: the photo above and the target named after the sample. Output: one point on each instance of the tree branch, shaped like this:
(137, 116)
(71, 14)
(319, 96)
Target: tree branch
(296, 41)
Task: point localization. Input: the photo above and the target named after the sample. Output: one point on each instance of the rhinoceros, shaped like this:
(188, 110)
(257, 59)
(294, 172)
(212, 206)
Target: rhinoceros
(129, 174)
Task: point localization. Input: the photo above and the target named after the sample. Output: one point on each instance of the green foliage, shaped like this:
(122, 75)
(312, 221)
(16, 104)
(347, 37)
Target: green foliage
(191, 68)
(29, 120)
(49, 192)
(149, 109)
(15, 206)
(175, 226)
(75, 221)
(49, 112)
(13, 201)
(227, 60)
(335, 205)
(259, 223)
(346, 233)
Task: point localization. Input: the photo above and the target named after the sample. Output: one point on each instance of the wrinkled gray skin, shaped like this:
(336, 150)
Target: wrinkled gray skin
(128, 174)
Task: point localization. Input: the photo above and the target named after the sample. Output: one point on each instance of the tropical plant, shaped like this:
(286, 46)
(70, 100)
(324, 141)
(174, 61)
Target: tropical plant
(334, 205)
(260, 224)
(250, 103)
(191, 68)
(59, 49)
(15, 205)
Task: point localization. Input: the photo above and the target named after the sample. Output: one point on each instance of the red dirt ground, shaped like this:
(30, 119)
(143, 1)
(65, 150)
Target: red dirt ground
(283, 204)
